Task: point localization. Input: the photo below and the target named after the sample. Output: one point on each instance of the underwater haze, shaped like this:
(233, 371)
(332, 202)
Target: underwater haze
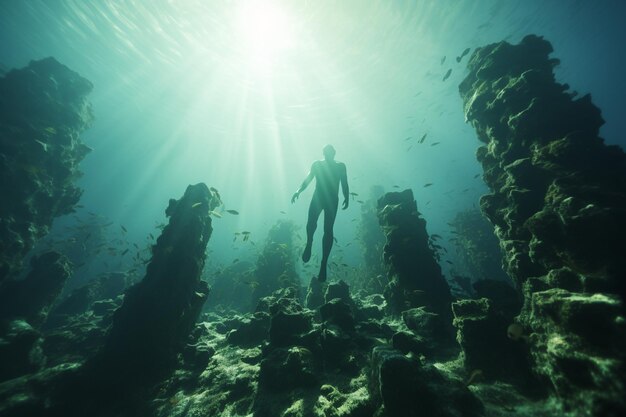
(243, 95)
(151, 260)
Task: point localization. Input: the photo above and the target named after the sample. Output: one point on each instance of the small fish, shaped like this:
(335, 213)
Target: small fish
(477, 175)
(353, 194)
(450, 262)
(445, 77)
(443, 60)
(282, 212)
(235, 212)
(465, 52)
(124, 229)
(360, 201)
(435, 143)
(409, 148)
(435, 236)
(79, 206)
(423, 138)
(194, 205)
(215, 213)
(125, 252)
(151, 235)
(428, 184)
(408, 138)
(396, 186)
(245, 233)
(235, 260)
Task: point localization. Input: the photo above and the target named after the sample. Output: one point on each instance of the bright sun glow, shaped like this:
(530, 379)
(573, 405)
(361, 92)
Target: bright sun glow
(266, 30)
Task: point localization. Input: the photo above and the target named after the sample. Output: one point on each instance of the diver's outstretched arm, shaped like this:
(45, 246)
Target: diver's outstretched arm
(305, 184)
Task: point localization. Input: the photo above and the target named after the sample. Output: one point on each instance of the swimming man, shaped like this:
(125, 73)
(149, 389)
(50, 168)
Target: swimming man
(328, 174)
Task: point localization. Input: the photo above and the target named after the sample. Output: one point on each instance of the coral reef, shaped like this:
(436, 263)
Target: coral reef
(43, 111)
(558, 203)
(415, 278)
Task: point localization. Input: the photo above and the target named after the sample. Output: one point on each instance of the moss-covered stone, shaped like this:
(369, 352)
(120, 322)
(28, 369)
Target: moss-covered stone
(407, 388)
(33, 297)
(414, 274)
(43, 111)
(558, 203)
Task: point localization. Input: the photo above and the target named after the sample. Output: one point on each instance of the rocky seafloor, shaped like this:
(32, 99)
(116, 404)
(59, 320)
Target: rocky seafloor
(255, 341)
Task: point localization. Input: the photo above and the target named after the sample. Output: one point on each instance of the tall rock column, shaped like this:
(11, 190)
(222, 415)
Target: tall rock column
(415, 278)
(159, 312)
(558, 203)
(43, 111)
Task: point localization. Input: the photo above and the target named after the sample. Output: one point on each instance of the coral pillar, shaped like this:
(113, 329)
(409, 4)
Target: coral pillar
(43, 111)
(558, 203)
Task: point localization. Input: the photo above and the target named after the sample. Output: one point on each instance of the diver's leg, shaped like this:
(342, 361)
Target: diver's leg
(330, 212)
(314, 213)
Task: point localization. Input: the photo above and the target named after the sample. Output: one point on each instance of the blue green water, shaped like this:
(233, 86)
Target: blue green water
(243, 95)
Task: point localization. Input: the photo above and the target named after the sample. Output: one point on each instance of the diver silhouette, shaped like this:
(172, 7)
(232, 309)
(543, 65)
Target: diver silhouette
(328, 174)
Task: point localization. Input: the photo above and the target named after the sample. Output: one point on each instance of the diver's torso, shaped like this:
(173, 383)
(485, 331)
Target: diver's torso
(327, 179)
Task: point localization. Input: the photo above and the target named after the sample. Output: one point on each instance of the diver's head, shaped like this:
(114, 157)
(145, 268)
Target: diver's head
(329, 152)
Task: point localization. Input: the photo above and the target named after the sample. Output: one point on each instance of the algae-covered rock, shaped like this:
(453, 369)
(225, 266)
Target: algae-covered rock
(287, 328)
(275, 266)
(20, 350)
(477, 247)
(252, 331)
(333, 402)
(339, 313)
(579, 341)
(409, 389)
(414, 274)
(315, 295)
(372, 240)
(43, 111)
(287, 368)
(339, 289)
(159, 312)
(558, 203)
(33, 297)
(482, 333)
(153, 324)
